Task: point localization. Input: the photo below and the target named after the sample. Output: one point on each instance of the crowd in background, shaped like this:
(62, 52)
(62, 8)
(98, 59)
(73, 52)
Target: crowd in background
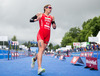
(92, 47)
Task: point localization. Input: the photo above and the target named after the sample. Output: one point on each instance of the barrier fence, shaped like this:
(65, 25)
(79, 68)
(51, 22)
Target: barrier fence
(12, 54)
(95, 54)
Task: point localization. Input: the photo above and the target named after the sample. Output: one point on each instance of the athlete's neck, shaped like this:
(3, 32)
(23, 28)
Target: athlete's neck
(46, 13)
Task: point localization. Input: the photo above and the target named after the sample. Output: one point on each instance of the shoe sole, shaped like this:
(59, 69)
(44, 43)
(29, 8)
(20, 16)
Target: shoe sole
(32, 63)
(32, 66)
(41, 72)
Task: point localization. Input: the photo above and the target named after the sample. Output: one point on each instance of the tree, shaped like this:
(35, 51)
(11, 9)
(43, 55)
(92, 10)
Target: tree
(50, 46)
(29, 44)
(66, 41)
(74, 32)
(25, 43)
(5, 43)
(90, 28)
(14, 38)
(71, 36)
(56, 47)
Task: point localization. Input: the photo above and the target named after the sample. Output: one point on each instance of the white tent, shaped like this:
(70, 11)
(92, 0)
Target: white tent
(68, 47)
(98, 36)
(95, 39)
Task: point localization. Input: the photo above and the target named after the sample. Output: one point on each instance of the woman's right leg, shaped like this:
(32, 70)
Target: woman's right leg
(35, 58)
(41, 46)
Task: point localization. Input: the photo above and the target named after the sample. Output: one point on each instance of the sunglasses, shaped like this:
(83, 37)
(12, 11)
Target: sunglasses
(49, 7)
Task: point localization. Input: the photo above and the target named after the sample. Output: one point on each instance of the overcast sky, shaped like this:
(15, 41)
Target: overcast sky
(15, 16)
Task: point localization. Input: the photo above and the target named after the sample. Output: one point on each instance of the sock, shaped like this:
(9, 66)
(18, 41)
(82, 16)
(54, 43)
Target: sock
(34, 59)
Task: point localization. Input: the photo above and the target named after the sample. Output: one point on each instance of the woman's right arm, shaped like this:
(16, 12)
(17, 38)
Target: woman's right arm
(36, 17)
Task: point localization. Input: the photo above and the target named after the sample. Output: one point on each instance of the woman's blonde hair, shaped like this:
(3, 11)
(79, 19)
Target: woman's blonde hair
(46, 6)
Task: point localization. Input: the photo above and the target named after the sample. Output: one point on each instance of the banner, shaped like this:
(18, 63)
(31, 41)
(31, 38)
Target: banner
(3, 38)
(76, 44)
(76, 59)
(91, 63)
(86, 54)
(15, 43)
(93, 39)
(14, 54)
(62, 57)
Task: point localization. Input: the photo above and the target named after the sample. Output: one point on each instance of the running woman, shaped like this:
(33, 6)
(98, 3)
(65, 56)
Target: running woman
(43, 36)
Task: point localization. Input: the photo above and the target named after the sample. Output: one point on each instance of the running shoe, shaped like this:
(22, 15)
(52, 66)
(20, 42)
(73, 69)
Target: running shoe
(33, 63)
(40, 71)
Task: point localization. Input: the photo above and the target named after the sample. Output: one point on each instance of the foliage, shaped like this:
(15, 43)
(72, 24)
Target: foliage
(14, 38)
(56, 47)
(89, 28)
(50, 46)
(71, 36)
(29, 44)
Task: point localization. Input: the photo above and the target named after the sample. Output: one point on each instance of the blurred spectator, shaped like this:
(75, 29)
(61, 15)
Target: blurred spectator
(67, 52)
(29, 51)
(85, 49)
(93, 46)
(99, 46)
